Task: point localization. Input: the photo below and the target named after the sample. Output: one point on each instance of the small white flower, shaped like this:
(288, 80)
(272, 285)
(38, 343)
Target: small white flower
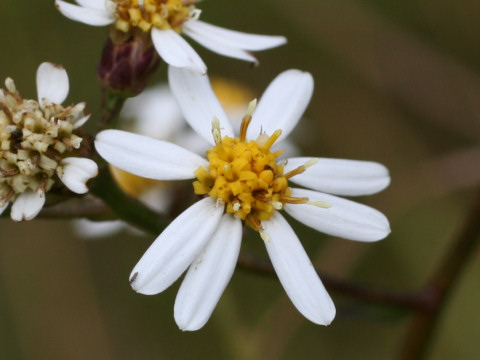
(165, 20)
(244, 181)
(35, 137)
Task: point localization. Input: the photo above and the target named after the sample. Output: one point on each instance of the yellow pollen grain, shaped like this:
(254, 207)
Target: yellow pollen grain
(162, 14)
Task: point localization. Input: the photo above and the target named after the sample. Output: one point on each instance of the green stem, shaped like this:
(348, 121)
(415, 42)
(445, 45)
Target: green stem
(439, 288)
(125, 207)
(112, 103)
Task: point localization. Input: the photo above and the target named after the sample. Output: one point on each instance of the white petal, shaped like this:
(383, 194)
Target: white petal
(156, 113)
(75, 173)
(341, 177)
(2, 208)
(219, 47)
(208, 275)
(296, 272)
(198, 102)
(81, 121)
(95, 4)
(95, 16)
(344, 218)
(231, 38)
(95, 229)
(175, 51)
(52, 84)
(147, 157)
(176, 247)
(282, 104)
(27, 205)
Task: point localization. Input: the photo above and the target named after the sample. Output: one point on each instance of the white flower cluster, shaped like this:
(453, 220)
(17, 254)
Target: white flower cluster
(242, 181)
(36, 137)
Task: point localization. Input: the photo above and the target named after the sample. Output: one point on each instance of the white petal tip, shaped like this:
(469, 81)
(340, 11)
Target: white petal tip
(76, 172)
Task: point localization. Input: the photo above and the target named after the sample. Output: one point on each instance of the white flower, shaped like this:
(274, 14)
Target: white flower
(243, 181)
(166, 19)
(35, 138)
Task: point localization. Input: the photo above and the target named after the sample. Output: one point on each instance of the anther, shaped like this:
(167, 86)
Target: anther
(278, 205)
(271, 140)
(236, 206)
(247, 119)
(217, 135)
(293, 200)
(265, 237)
(320, 204)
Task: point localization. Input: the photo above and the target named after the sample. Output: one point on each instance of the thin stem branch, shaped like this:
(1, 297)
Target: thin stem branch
(112, 103)
(361, 292)
(439, 288)
(76, 208)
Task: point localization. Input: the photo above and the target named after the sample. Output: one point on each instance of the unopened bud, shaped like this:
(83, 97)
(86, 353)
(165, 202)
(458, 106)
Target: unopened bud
(128, 61)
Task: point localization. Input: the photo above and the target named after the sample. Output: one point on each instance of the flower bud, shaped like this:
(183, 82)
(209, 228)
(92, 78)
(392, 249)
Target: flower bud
(128, 61)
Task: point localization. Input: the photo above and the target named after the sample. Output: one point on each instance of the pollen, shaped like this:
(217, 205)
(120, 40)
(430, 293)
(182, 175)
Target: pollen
(246, 175)
(145, 14)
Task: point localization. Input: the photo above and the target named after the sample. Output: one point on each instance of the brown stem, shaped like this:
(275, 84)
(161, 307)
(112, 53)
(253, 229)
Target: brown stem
(438, 289)
(361, 292)
(75, 208)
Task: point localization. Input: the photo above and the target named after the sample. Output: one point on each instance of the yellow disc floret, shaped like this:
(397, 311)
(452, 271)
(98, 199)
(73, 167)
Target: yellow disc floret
(145, 14)
(245, 176)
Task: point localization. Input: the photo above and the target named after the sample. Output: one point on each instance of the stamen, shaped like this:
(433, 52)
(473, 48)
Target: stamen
(255, 223)
(278, 205)
(217, 135)
(301, 168)
(247, 118)
(293, 200)
(265, 237)
(296, 171)
(320, 204)
(236, 206)
(310, 162)
(271, 140)
(220, 202)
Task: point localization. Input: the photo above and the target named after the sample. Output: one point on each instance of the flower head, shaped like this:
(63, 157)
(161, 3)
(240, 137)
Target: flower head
(37, 139)
(165, 20)
(243, 180)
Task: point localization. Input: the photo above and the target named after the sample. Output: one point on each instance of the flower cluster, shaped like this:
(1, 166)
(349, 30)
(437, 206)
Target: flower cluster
(245, 178)
(38, 144)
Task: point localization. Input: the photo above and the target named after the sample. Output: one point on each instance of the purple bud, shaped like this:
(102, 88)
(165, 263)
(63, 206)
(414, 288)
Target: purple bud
(128, 61)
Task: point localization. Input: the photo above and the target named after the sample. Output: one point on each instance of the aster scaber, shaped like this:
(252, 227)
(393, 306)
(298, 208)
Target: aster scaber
(244, 180)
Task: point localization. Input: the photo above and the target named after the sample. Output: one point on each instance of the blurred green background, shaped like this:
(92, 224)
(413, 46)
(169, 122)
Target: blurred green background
(396, 81)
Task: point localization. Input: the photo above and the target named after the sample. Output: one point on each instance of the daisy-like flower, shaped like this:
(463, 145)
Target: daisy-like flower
(166, 20)
(36, 143)
(242, 181)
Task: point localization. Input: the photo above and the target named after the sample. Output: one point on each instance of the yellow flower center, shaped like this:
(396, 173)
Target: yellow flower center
(145, 14)
(245, 176)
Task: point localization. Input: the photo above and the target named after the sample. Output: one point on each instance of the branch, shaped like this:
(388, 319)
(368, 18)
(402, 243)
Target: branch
(439, 288)
(361, 292)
